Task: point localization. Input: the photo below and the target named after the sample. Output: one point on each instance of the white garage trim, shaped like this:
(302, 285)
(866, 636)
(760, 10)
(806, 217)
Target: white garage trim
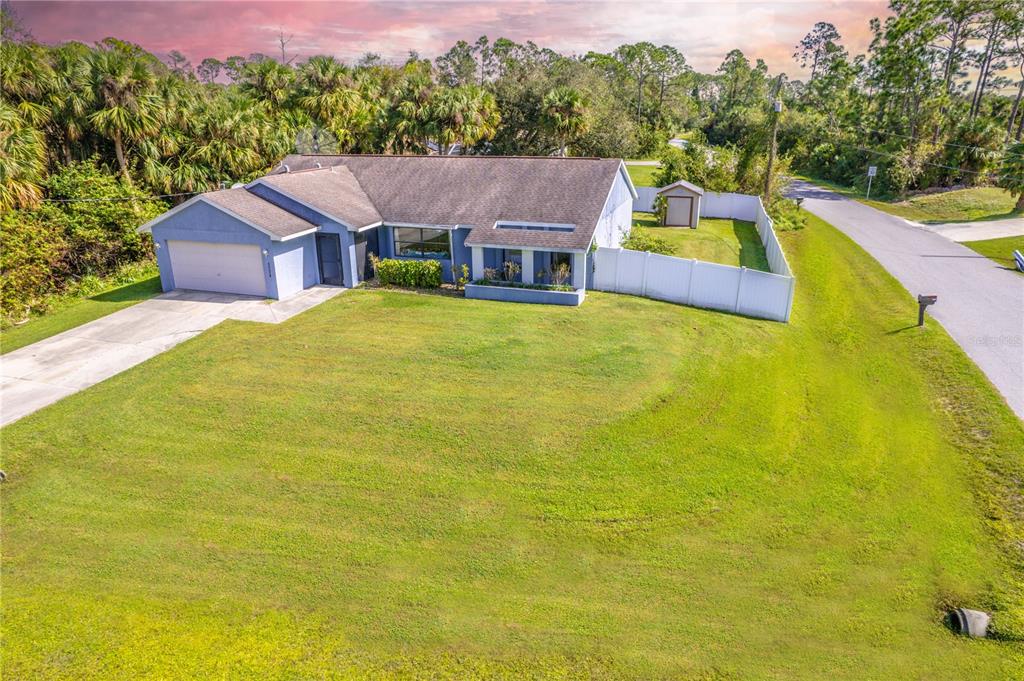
(224, 268)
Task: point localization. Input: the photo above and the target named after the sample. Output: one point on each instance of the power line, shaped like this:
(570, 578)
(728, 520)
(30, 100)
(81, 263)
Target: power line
(936, 165)
(1004, 151)
(114, 199)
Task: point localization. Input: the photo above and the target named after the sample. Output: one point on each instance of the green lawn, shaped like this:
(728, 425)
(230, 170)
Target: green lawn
(725, 241)
(78, 313)
(398, 485)
(962, 205)
(1000, 250)
(642, 176)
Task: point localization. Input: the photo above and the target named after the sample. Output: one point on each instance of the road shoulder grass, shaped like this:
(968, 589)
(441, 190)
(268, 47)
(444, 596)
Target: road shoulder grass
(70, 314)
(999, 250)
(974, 204)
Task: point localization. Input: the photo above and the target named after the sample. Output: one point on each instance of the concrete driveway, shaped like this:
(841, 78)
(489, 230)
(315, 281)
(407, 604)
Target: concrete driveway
(981, 303)
(44, 372)
(976, 231)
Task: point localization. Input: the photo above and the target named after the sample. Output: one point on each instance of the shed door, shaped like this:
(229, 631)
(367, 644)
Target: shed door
(224, 268)
(680, 211)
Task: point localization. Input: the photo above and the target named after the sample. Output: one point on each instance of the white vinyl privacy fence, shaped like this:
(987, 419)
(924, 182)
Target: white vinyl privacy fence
(644, 201)
(767, 295)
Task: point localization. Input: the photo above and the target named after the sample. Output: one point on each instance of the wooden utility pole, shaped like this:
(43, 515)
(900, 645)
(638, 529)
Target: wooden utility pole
(776, 113)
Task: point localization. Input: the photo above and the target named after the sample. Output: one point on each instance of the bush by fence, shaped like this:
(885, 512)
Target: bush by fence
(408, 273)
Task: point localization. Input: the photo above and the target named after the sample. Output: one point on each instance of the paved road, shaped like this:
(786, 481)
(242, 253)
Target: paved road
(42, 373)
(981, 304)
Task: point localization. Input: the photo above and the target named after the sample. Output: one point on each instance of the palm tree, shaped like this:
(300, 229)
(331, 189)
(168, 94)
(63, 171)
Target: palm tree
(123, 84)
(564, 114)
(27, 80)
(22, 160)
(268, 81)
(71, 96)
(328, 95)
(467, 114)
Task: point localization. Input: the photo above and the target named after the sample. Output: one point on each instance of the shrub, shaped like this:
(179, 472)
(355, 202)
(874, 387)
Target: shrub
(518, 284)
(460, 275)
(786, 215)
(408, 273)
(641, 239)
(47, 251)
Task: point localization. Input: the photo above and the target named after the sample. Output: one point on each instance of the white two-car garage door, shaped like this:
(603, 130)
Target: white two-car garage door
(226, 268)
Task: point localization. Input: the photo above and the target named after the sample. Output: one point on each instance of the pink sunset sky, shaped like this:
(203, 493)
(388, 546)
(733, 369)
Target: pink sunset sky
(703, 31)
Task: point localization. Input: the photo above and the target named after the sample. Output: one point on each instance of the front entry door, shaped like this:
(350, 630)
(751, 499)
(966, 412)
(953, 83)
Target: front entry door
(328, 249)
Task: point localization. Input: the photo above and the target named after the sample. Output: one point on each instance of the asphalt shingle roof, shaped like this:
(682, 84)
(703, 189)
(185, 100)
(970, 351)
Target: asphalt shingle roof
(477, 191)
(260, 212)
(333, 191)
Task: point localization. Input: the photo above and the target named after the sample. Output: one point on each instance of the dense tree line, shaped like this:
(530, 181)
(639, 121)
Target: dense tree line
(935, 101)
(927, 102)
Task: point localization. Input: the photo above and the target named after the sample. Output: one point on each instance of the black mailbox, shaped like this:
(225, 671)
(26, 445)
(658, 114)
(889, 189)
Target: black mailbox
(922, 303)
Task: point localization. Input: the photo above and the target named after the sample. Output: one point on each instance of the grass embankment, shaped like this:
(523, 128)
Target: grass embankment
(725, 241)
(962, 205)
(401, 485)
(999, 250)
(642, 176)
(71, 312)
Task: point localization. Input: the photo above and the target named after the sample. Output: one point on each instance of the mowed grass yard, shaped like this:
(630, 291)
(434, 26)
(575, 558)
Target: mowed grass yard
(721, 240)
(642, 176)
(398, 485)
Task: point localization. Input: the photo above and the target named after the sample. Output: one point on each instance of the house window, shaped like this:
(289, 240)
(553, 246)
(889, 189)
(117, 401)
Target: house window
(422, 242)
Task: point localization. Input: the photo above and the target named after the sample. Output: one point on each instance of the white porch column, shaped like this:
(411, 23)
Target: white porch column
(478, 262)
(527, 267)
(579, 270)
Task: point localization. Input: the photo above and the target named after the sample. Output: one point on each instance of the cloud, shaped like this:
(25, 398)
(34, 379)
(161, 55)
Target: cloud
(703, 31)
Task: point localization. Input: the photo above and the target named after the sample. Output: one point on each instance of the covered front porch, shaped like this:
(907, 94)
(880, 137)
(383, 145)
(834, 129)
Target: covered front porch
(531, 266)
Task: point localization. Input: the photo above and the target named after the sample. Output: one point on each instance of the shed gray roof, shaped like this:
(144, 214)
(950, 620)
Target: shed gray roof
(332, 191)
(478, 191)
(686, 185)
(259, 213)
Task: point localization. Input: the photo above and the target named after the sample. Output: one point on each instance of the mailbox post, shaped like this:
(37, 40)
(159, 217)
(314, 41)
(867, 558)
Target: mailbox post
(922, 303)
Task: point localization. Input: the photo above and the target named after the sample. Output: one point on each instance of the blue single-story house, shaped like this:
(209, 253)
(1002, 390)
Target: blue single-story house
(316, 219)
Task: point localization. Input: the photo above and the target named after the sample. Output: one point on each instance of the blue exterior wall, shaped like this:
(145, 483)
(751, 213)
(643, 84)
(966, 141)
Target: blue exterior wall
(295, 264)
(348, 239)
(462, 254)
(203, 222)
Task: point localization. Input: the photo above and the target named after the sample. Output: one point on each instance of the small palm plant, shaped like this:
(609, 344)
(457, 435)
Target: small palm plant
(510, 269)
(560, 273)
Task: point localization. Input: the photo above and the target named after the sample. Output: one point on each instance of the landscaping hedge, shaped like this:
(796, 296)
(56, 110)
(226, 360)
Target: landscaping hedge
(408, 273)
